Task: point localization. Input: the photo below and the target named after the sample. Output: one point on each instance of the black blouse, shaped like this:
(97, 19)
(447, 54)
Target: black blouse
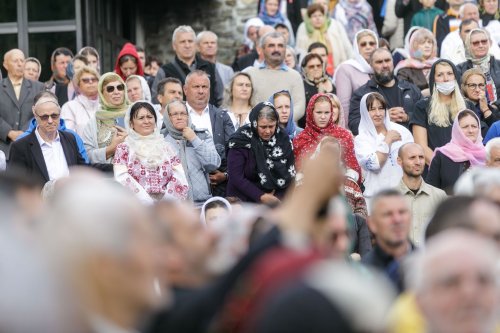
(443, 172)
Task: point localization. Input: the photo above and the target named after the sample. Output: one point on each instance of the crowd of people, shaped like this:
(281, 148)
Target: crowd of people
(326, 181)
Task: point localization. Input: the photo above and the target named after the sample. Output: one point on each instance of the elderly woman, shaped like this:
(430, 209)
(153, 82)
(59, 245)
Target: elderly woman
(238, 97)
(145, 163)
(422, 54)
(128, 62)
(463, 151)
(433, 116)
(320, 123)
(377, 145)
(32, 69)
(195, 149)
(477, 50)
(318, 27)
(79, 111)
(291, 58)
(474, 90)
(282, 101)
(104, 131)
(315, 78)
(355, 72)
(260, 158)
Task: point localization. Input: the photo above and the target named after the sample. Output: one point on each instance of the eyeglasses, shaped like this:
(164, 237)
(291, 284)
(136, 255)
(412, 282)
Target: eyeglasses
(178, 115)
(476, 85)
(110, 89)
(314, 66)
(482, 41)
(88, 80)
(367, 43)
(45, 117)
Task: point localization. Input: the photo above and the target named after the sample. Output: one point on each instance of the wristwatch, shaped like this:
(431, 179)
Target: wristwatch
(226, 175)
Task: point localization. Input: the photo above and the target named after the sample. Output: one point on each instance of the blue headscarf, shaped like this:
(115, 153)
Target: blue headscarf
(291, 129)
(268, 19)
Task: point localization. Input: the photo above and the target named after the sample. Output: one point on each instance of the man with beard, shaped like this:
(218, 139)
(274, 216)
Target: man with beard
(274, 75)
(422, 197)
(390, 221)
(400, 95)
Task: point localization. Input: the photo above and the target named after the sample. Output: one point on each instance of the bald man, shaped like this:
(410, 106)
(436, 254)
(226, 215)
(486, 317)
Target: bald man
(16, 99)
(422, 197)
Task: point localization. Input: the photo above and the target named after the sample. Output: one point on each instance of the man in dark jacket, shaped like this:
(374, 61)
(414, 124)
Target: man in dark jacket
(186, 60)
(206, 116)
(400, 95)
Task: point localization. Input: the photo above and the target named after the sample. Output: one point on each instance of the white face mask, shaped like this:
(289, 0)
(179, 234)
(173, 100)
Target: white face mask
(446, 88)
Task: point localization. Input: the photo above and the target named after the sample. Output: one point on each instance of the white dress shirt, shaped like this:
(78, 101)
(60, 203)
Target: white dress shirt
(53, 154)
(200, 121)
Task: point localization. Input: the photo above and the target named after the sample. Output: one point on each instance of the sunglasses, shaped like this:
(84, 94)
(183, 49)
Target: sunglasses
(482, 41)
(110, 89)
(88, 80)
(45, 117)
(476, 85)
(314, 66)
(367, 43)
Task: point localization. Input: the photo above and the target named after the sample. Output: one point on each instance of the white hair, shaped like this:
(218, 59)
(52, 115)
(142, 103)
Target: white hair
(182, 29)
(204, 34)
(493, 143)
(479, 181)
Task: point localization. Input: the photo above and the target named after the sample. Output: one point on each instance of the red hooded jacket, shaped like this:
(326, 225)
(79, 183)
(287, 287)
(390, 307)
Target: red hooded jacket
(129, 49)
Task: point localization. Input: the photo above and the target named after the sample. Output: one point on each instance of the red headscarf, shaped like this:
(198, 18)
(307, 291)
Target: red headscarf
(129, 49)
(305, 143)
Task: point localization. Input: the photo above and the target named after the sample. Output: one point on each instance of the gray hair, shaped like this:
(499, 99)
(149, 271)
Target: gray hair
(268, 113)
(273, 34)
(167, 107)
(182, 29)
(495, 142)
(197, 72)
(479, 181)
(462, 9)
(204, 34)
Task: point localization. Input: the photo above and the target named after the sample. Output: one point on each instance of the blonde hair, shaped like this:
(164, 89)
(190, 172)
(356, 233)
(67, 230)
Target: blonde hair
(467, 74)
(440, 112)
(85, 69)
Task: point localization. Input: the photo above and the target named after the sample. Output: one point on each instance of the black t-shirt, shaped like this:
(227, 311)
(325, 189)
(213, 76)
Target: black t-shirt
(393, 95)
(436, 136)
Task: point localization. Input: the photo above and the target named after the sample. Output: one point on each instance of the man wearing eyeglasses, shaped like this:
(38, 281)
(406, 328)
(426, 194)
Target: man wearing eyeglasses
(16, 99)
(47, 152)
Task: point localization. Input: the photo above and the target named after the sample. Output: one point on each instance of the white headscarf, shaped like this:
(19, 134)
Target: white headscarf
(146, 92)
(359, 62)
(366, 126)
(221, 199)
(151, 149)
(253, 22)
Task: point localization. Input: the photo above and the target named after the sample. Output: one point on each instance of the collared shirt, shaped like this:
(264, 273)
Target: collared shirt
(422, 207)
(200, 121)
(17, 88)
(54, 157)
(283, 66)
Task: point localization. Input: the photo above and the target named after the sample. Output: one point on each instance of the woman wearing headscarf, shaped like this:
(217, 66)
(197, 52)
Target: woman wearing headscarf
(105, 130)
(260, 158)
(78, 112)
(377, 145)
(128, 62)
(318, 27)
(433, 117)
(404, 53)
(315, 78)
(145, 163)
(195, 149)
(355, 72)
(477, 52)
(422, 54)
(92, 57)
(282, 101)
(214, 211)
(320, 123)
(355, 15)
(465, 150)
(270, 14)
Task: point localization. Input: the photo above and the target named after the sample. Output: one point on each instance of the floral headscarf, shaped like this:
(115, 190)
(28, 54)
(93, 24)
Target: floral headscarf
(274, 158)
(306, 142)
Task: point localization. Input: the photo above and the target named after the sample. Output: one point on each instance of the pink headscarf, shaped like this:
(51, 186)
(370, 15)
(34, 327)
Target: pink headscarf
(461, 148)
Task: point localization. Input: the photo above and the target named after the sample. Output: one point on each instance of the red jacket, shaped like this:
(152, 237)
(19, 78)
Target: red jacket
(128, 49)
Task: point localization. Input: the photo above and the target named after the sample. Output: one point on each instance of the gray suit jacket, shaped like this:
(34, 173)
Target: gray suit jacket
(16, 114)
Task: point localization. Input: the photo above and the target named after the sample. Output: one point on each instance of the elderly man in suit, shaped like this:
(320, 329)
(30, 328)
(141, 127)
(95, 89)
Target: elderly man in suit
(207, 116)
(16, 99)
(47, 153)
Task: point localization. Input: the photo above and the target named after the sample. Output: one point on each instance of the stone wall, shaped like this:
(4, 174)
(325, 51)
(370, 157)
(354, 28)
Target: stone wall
(224, 17)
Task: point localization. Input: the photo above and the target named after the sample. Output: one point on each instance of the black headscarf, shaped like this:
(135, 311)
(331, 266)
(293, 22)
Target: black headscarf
(274, 158)
(433, 71)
